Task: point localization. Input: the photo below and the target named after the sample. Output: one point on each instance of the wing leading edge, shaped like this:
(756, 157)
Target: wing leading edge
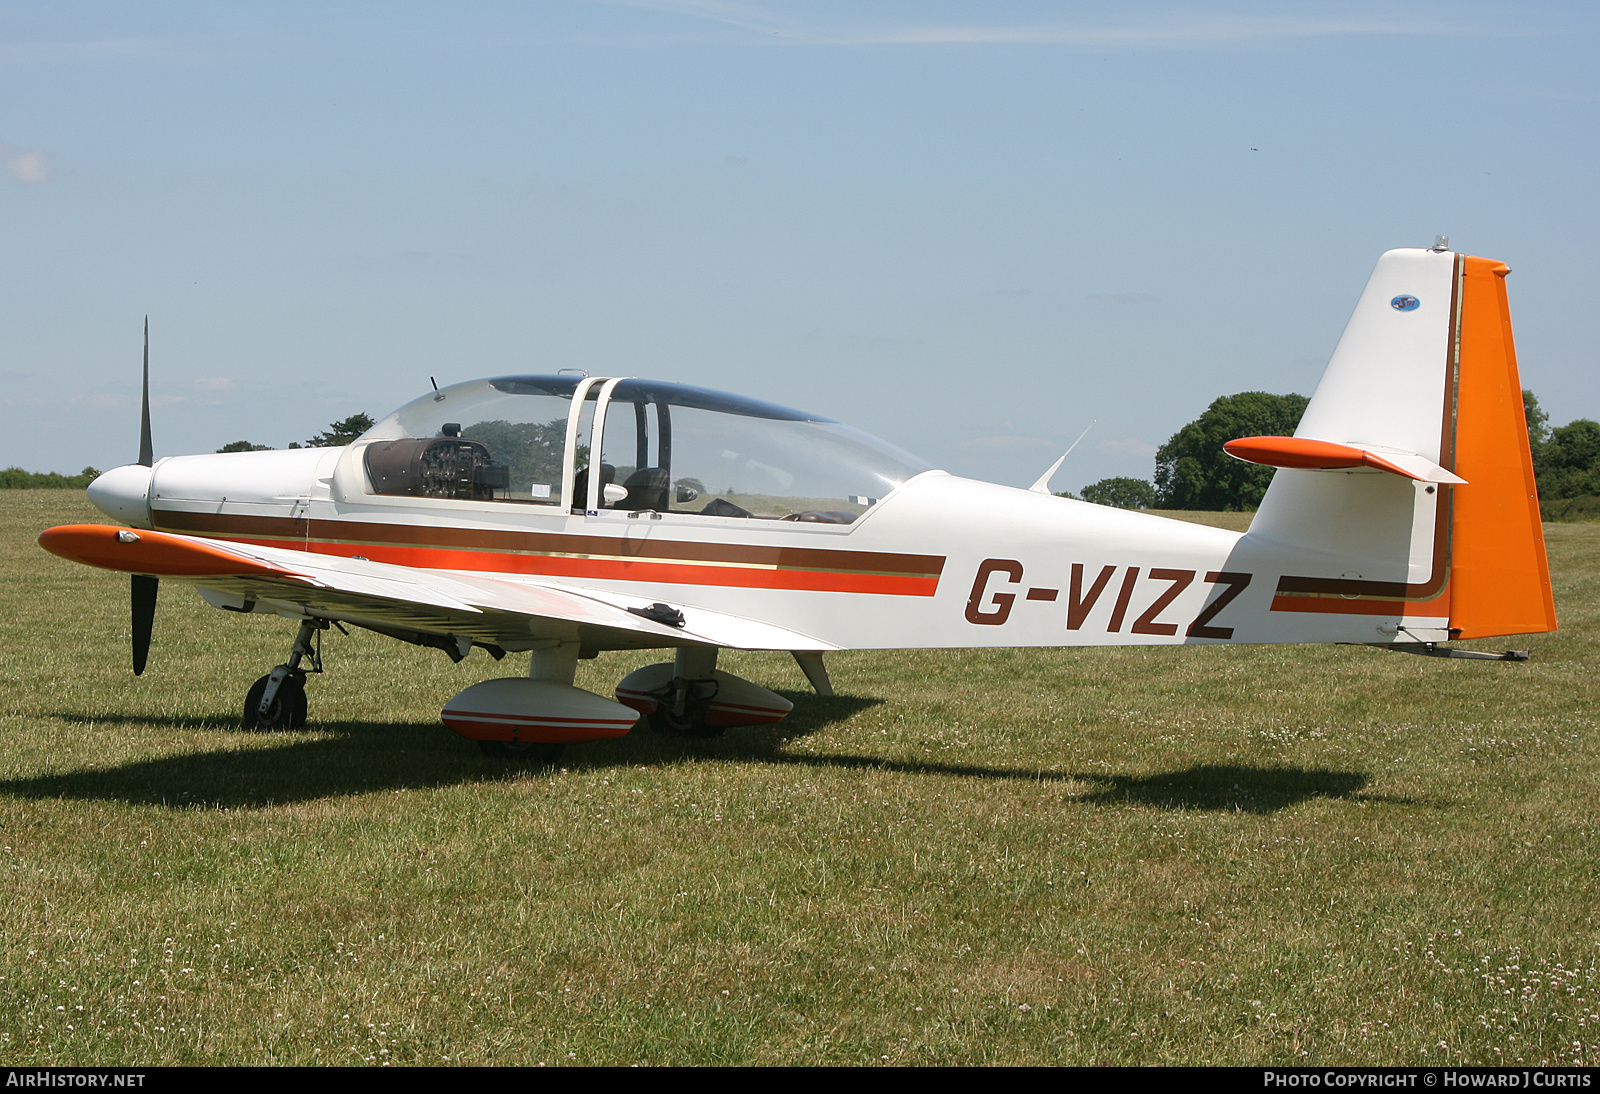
(513, 613)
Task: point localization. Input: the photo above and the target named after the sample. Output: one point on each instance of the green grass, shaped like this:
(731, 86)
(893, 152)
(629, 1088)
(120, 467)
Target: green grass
(1264, 855)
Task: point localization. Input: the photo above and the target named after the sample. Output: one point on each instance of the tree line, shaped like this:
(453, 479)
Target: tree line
(15, 478)
(337, 435)
(1193, 472)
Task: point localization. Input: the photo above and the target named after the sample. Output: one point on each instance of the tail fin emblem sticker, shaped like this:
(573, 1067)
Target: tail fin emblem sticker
(1405, 303)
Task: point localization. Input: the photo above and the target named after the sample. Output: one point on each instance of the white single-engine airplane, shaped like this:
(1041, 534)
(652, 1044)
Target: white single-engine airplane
(567, 515)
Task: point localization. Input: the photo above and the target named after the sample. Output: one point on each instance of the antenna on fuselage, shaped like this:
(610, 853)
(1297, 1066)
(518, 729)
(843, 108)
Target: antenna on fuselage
(1043, 485)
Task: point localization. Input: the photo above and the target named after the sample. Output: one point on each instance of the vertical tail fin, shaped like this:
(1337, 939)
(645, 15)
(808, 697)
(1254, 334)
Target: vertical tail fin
(1409, 486)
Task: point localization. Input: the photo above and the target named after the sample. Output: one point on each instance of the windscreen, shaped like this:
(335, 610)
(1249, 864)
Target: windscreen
(499, 440)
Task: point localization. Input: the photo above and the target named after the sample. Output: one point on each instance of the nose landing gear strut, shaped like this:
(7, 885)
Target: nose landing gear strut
(278, 699)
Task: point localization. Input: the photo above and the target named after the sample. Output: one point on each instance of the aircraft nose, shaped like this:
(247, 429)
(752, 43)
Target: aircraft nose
(124, 493)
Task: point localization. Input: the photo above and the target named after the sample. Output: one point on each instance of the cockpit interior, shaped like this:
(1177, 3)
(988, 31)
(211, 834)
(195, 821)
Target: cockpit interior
(593, 444)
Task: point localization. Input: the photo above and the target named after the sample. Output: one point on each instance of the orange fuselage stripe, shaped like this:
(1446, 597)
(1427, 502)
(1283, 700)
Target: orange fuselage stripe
(589, 557)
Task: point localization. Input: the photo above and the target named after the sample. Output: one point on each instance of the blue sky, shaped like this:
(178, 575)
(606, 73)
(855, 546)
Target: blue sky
(970, 228)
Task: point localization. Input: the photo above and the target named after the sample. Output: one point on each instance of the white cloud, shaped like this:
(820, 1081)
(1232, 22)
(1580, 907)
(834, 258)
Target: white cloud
(25, 165)
(1172, 29)
(1178, 32)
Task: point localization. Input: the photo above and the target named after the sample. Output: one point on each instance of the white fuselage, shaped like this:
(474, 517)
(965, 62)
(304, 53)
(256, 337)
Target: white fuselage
(941, 562)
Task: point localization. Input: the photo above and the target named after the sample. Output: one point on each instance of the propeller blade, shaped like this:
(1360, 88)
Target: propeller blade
(146, 449)
(144, 586)
(144, 617)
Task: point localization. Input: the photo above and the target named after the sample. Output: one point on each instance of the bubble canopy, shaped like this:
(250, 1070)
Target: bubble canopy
(664, 447)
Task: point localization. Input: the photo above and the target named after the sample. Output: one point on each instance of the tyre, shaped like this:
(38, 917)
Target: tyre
(288, 709)
(691, 723)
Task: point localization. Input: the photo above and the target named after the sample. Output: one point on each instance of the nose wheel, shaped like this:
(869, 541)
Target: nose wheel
(278, 699)
(287, 710)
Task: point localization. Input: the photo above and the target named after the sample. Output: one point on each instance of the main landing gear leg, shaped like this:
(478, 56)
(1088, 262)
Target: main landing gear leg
(554, 664)
(278, 699)
(683, 710)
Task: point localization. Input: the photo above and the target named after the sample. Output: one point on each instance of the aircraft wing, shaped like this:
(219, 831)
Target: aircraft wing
(510, 611)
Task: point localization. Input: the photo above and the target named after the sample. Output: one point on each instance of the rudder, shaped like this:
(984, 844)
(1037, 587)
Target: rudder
(1500, 578)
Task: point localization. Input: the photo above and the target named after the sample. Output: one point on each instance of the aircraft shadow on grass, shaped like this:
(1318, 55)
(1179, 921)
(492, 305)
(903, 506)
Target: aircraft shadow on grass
(350, 758)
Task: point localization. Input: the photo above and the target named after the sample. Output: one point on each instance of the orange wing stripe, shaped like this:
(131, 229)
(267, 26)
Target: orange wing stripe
(155, 553)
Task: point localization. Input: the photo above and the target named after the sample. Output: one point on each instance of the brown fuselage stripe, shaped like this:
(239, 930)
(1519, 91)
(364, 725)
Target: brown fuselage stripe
(1332, 605)
(564, 555)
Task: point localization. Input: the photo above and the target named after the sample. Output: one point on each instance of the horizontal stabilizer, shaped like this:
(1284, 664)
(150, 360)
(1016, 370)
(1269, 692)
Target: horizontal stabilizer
(1305, 452)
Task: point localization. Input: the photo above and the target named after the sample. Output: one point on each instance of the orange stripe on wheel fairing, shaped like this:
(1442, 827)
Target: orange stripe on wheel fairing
(537, 719)
(555, 731)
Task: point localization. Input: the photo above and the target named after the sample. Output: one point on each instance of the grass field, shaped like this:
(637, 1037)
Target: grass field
(1319, 855)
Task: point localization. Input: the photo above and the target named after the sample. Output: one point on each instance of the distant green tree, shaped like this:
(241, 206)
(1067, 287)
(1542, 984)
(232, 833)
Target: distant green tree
(1192, 470)
(532, 450)
(1122, 493)
(340, 433)
(1568, 465)
(244, 446)
(1538, 424)
(15, 478)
